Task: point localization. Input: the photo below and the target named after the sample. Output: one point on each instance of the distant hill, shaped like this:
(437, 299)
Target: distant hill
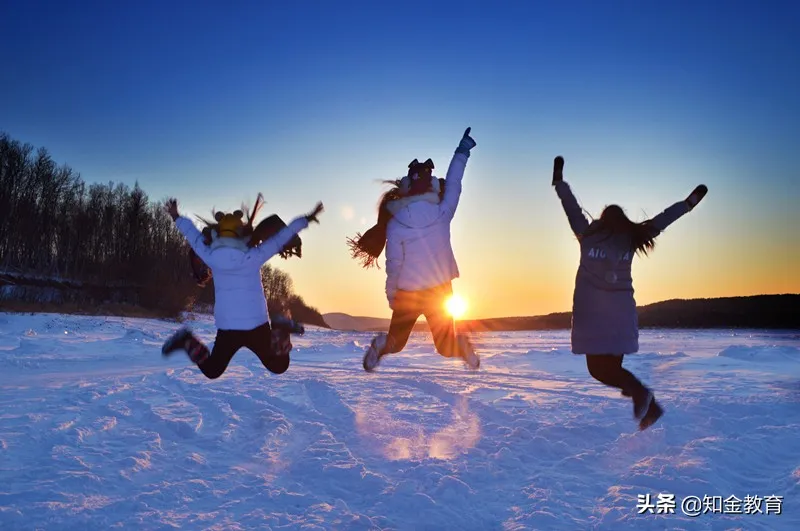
(757, 311)
(343, 321)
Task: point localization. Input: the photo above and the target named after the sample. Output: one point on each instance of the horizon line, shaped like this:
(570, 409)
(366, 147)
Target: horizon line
(569, 311)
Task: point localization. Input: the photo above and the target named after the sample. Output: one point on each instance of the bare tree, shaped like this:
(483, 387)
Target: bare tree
(108, 242)
(278, 288)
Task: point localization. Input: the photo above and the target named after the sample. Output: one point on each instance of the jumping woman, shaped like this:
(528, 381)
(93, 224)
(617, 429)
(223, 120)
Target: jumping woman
(605, 323)
(240, 307)
(414, 225)
(252, 236)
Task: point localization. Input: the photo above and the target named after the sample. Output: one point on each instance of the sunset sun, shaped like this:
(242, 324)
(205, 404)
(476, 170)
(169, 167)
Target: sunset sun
(456, 306)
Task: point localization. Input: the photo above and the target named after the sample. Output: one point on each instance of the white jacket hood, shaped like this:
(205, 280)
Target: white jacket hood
(416, 212)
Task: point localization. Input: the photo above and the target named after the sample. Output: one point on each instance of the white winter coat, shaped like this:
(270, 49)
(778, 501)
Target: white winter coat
(239, 301)
(418, 250)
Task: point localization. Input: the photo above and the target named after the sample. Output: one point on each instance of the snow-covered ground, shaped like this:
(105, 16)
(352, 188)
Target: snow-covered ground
(98, 431)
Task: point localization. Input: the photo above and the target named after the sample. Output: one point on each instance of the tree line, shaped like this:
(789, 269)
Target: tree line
(62, 240)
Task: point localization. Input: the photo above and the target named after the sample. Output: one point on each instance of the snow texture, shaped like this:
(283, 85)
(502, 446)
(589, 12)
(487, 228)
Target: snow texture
(98, 431)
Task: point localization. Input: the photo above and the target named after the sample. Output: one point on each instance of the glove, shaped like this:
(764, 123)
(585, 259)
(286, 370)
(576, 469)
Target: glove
(466, 144)
(696, 196)
(172, 209)
(313, 216)
(558, 170)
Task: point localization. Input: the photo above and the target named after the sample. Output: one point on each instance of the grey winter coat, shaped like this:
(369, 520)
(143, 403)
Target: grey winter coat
(604, 317)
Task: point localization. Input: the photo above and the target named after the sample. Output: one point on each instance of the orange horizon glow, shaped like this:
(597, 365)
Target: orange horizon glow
(541, 281)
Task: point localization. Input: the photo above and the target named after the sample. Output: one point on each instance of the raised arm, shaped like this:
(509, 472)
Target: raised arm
(194, 237)
(270, 247)
(455, 174)
(185, 226)
(577, 220)
(671, 214)
(395, 254)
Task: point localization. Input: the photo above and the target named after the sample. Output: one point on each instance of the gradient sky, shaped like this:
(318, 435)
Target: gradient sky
(213, 102)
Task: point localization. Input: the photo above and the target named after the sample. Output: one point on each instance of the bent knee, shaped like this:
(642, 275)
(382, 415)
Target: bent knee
(212, 374)
(278, 364)
(449, 349)
(601, 366)
(393, 345)
(598, 374)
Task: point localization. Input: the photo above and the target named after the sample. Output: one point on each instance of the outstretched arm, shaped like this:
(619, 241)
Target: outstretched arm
(193, 236)
(670, 215)
(270, 247)
(455, 174)
(394, 264)
(577, 220)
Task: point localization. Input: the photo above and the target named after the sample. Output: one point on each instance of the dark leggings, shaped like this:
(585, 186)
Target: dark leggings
(228, 343)
(409, 305)
(607, 369)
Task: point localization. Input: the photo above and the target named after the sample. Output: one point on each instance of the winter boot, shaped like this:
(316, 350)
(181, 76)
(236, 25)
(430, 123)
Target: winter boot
(281, 322)
(642, 398)
(184, 340)
(467, 353)
(281, 342)
(654, 412)
(373, 355)
(178, 341)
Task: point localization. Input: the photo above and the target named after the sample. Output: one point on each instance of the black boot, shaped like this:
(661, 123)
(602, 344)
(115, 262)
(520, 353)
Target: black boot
(281, 322)
(178, 341)
(642, 399)
(184, 340)
(654, 412)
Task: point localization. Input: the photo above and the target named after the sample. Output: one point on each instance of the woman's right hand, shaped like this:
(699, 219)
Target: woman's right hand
(172, 208)
(312, 217)
(697, 194)
(558, 169)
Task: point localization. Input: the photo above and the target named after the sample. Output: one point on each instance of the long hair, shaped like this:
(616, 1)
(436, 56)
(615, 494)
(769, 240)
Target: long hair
(613, 221)
(250, 216)
(368, 247)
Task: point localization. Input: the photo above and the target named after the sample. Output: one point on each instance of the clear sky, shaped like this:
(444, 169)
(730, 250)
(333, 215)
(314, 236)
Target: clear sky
(213, 102)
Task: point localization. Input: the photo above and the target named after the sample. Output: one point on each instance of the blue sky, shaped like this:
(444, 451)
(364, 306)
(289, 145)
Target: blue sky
(308, 101)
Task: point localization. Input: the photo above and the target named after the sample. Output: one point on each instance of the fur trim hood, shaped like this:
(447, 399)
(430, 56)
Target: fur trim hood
(416, 211)
(219, 242)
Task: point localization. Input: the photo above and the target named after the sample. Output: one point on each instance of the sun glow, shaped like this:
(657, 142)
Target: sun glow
(456, 306)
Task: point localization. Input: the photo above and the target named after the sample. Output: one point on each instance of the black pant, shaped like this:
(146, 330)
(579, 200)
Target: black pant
(409, 305)
(228, 343)
(607, 369)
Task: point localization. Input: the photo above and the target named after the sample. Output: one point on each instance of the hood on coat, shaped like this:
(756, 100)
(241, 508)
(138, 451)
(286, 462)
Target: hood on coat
(417, 211)
(219, 242)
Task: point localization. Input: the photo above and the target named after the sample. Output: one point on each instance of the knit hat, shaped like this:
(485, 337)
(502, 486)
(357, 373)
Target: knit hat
(230, 225)
(419, 178)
